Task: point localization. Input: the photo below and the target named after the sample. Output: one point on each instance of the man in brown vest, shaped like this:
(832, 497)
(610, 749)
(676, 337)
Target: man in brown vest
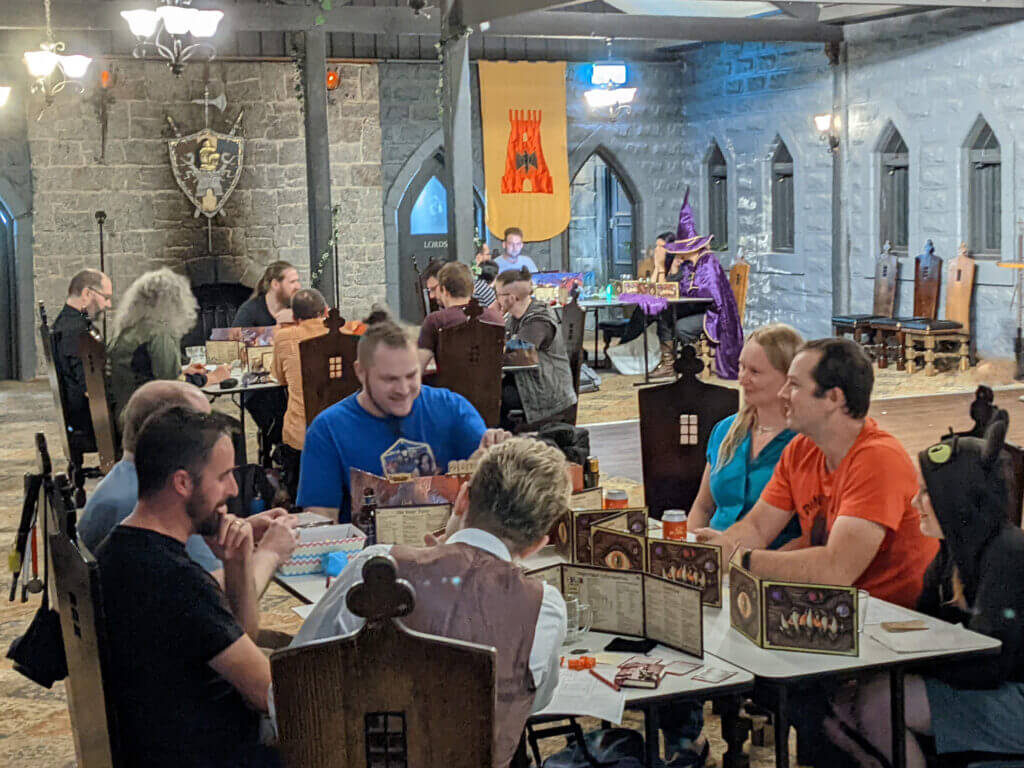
(503, 514)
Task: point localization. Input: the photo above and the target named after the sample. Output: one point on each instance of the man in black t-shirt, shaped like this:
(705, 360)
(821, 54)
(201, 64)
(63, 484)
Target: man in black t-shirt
(270, 304)
(185, 679)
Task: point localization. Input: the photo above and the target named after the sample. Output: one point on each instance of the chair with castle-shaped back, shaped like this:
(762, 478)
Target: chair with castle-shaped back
(927, 283)
(954, 330)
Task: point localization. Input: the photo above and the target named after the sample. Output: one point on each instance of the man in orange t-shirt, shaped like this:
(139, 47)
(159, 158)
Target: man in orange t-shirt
(849, 482)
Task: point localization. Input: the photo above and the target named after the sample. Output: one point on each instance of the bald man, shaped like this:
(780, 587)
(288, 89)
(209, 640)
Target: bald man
(117, 494)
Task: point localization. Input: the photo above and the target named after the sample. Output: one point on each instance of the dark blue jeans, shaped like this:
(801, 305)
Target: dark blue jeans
(681, 724)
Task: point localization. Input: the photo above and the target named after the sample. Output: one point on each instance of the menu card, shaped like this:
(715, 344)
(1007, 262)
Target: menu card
(410, 525)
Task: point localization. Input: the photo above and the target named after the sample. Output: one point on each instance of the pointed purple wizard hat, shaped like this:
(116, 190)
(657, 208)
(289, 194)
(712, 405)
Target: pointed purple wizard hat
(687, 239)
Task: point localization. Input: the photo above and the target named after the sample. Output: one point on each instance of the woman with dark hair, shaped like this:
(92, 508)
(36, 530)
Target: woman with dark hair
(971, 706)
(483, 288)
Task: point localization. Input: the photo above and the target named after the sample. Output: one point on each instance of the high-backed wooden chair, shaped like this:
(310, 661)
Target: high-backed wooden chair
(927, 282)
(94, 361)
(76, 582)
(955, 329)
(884, 305)
(645, 267)
(327, 361)
(675, 424)
(385, 695)
(739, 280)
(72, 443)
(574, 320)
(469, 359)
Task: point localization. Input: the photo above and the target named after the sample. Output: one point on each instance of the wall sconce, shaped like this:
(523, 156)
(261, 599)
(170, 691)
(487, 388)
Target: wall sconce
(608, 77)
(333, 79)
(826, 125)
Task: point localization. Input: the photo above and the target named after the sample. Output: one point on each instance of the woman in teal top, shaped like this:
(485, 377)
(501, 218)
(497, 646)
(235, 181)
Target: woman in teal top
(742, 453)
(745, 447)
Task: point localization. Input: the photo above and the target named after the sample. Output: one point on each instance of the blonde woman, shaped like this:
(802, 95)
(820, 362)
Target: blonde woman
(742, 453)
(744, 448)
(156, 312)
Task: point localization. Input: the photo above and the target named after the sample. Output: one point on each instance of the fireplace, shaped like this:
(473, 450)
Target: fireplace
(218, 303)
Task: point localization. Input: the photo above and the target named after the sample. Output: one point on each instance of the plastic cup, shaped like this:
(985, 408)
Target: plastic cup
(862, 608)
(616, 499)
(673, 524)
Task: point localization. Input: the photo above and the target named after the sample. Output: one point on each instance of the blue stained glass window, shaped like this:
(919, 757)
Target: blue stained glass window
(430, 213)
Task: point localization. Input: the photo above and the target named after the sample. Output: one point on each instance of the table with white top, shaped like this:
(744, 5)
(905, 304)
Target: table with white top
(778, 671)
(673, 689)
(596, 305)
(213, 391)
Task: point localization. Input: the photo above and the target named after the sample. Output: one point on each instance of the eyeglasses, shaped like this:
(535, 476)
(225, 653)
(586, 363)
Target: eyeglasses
(107, 296)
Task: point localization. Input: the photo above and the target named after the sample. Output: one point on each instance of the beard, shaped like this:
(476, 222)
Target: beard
(204, 514)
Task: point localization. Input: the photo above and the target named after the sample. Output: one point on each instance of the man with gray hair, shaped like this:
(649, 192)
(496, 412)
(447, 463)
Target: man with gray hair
(89, 294)
(502, 514)
(117, 494)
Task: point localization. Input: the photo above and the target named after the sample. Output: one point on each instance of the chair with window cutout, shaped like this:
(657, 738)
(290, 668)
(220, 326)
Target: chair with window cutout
(76, 587)
(884, 306)
(739, 280)
(675, 425)
(927, 282)
(94, 362)
(469, 359)
(954, 330)
(328, 375)
(385, 695)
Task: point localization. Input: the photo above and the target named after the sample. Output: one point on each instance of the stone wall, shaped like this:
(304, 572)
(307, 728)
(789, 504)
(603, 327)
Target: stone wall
(932, 76)
(149, 220)
(746, 97)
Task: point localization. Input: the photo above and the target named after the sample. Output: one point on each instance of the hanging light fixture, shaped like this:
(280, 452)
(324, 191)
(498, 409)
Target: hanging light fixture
(51, 69)
(608, 77)
(174, 31)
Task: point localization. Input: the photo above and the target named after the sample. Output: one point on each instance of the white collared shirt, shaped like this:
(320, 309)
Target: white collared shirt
(332, 618)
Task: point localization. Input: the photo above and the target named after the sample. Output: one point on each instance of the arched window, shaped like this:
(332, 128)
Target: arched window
(601, 227)
(718, 198)
(783, 201)
(894, 189)
(984, 190)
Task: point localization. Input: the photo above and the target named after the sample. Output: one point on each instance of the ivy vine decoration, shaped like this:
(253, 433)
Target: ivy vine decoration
(321, 18)
(457, 33)
(318, 271)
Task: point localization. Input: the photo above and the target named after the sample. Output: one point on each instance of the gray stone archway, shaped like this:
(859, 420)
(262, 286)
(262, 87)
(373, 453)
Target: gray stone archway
(24, 289)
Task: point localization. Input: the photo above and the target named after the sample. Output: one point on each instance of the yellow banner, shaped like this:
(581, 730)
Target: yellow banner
(526, 157)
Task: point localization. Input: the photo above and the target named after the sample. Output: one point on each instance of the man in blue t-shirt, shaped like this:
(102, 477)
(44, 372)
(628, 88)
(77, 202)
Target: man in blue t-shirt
(431, 427)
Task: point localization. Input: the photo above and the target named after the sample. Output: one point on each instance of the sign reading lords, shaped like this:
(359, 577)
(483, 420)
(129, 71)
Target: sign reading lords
(526, 161)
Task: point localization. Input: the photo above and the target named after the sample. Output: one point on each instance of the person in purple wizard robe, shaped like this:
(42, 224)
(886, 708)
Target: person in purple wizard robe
(690, 262)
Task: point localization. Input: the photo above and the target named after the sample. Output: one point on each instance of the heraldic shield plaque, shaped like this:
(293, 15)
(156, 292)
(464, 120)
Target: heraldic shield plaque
(207, 166)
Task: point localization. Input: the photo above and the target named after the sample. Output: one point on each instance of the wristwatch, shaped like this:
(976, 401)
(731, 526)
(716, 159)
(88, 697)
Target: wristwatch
(745, 559)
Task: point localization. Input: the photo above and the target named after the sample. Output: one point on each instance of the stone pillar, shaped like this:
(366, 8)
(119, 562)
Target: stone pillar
(318, 163)
(457, 119)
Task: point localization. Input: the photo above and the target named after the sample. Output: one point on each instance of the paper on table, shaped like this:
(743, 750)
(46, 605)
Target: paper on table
(304, 610)
(580, 693)
(879, 611)
(938, 637)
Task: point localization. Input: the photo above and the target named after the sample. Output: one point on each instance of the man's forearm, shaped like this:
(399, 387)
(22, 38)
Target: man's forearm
(811, 564)
(264, 565)
(240, 588)
(742, 534)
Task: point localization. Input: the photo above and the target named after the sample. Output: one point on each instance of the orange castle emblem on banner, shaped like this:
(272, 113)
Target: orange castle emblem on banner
(525, 167)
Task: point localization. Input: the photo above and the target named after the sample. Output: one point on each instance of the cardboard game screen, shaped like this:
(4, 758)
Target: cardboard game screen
(696, 565)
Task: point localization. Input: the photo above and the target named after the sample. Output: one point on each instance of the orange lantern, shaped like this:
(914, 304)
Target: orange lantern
(333, 80)
(106, 79)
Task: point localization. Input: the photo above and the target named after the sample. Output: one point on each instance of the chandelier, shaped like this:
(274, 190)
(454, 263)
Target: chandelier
(174, 32)
(51, 68)
(608, 95)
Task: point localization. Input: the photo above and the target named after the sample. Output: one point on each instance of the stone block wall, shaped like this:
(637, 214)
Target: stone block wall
(149, 220)
(932, 76)
(746, 97)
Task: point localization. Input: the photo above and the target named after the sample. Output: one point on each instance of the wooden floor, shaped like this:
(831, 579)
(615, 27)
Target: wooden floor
(916, 421)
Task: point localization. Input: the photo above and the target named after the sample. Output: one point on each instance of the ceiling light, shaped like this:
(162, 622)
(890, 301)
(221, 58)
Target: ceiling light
(174, 32)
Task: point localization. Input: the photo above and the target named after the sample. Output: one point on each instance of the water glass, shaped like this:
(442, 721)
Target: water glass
(579, 618)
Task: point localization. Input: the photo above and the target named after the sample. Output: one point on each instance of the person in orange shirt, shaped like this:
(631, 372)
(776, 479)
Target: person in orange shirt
(849, 483)
(309, 309)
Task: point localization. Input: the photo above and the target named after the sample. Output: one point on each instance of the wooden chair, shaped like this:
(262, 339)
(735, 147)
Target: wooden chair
(675, 424)
(574, 320)
(739, 279)
(76, 582)
(94, 361)
(328, 374)
(955, 329)
(383, 696)
(74, 443)
(927, 282)
(884, 306)
(645, 267)
(469, 359)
